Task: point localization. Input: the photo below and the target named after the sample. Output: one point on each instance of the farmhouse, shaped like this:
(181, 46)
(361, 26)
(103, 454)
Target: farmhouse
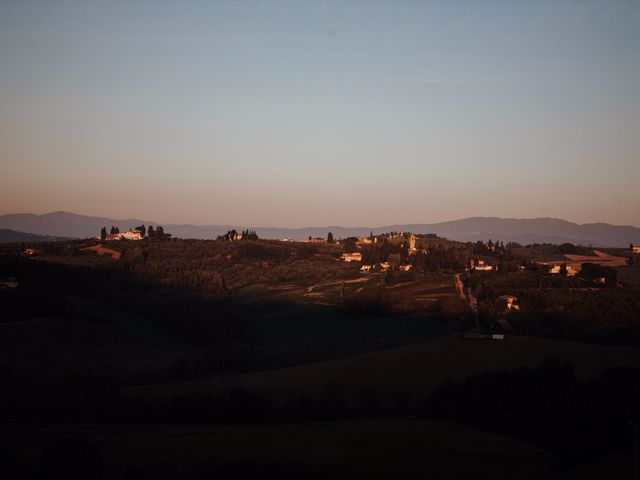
(507, 303)
(481, 265)
(352, 257)
(571, 270)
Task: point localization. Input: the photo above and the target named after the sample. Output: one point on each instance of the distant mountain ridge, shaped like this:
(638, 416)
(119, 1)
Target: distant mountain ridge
(12, 236)
(522, 230)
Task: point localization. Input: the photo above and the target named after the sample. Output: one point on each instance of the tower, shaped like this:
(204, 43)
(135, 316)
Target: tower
(412, 244)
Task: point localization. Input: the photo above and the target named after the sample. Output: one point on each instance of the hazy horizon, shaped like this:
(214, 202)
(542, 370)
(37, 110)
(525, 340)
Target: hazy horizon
(304, 226)
(291, 114)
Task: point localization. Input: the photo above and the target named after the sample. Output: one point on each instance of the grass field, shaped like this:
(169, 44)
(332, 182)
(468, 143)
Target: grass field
(419, 368)
(102, 250)
(48, 349)
(393, 448)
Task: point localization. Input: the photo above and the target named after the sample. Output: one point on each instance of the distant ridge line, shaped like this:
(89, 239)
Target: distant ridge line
(521, 230)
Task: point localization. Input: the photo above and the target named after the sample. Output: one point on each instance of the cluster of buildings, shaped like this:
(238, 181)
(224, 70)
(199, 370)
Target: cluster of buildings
(128, 235)
(352, 257)
(557, 269)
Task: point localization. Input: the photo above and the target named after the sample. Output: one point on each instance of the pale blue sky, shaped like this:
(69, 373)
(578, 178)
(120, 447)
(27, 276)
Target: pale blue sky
(313, 113)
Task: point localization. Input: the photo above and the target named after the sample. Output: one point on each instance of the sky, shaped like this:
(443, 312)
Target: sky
(299, 113)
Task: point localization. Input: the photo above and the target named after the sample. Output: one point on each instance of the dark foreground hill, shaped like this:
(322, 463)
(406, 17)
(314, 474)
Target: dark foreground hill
(521, 230)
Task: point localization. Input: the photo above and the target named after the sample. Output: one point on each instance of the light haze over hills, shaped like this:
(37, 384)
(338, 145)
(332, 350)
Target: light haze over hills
(522, 230)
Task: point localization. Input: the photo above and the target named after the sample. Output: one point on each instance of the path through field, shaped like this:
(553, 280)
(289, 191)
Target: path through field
(338, 282)
(102, 250)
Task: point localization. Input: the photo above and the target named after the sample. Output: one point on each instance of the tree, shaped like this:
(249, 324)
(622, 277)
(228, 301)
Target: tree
(103, 234)
(330, 237)
(113, 230)
(160, 235)
(142, 229)
(563, 270)
(350, 245)
(151, 232)
(394, 260)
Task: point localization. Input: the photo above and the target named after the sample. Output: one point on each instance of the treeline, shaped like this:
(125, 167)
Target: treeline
(233, 235)
(548, 405)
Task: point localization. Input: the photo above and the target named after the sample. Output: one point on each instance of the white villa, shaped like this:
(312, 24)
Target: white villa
(128, 235)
